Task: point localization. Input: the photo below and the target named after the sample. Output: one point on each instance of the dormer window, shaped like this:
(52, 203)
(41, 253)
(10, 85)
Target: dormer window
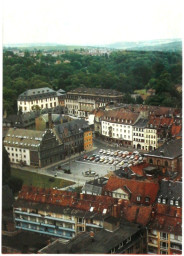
(176, 202)
(138, 198)
(171, 202)
(159, 200)
(164, 201)
(147, 199)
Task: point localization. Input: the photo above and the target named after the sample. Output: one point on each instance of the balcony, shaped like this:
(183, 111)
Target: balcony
(93, 225)
(43, 232)
(28, 213)
(45, 217)
(44, 224)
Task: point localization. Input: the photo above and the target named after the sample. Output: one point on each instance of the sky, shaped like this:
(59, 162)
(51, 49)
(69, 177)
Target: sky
(90, 22)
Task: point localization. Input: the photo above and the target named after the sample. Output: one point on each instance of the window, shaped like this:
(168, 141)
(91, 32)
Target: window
(147, 199)
(164, 201)
(151, 161)
(159, 200)
(171, 202)
(138, 198)
(80, 220)
(176, 202)
(163, 236)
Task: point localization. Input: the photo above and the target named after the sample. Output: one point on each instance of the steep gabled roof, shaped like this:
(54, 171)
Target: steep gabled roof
(170, 150)
(167, 219)
(170, 190)
(175, 129)
(139, 188)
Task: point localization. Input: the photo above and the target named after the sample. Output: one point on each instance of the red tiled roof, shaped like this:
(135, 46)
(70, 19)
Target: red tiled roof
(167, 219)
(66, 198)
(138, 188)
(138, 169)
(175, 129)
(121, 114)
(115, 207)
(157, 121)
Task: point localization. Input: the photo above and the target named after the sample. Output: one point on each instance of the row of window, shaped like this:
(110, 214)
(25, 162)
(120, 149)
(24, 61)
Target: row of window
(117, 135)
(120, 125)
(18, 160)
(33, 102)
(116, 129)
(12, 154)
(138, 129)
(171, 202)
(16, 149)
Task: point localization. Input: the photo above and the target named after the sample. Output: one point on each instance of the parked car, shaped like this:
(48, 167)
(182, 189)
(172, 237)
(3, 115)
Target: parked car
(92, 158)
(97, 159)
(85, 157)
(111, 161)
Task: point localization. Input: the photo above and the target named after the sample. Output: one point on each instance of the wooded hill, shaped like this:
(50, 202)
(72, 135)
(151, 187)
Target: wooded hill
(124, 71)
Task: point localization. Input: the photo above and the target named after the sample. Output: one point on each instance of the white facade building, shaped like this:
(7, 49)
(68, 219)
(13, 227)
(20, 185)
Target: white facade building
(138, 133)
(37, 98)
(118, 125)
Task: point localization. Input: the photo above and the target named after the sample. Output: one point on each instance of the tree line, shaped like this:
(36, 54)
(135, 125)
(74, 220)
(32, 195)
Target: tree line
(124, 71)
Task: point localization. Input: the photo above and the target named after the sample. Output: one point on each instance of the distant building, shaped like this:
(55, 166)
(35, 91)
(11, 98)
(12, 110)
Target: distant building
(151, 92)
(33, 148)
(83, 100)
(34, 99)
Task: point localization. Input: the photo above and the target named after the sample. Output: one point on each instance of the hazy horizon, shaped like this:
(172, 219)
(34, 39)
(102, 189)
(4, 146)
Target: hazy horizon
(90, 23)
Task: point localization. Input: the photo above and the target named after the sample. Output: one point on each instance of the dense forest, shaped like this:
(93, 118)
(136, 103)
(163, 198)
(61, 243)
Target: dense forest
(124, 71)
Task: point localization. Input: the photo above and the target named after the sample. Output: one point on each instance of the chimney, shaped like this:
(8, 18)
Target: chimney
(149, 176)
(115, 211)
(81, 196)
(92, 234)
(50, 119)
(153, 213)
(178, 212)
(133, 175)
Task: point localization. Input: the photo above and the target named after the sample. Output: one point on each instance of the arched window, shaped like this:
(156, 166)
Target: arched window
(166, 163)
(158, 162)
(151, 161)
